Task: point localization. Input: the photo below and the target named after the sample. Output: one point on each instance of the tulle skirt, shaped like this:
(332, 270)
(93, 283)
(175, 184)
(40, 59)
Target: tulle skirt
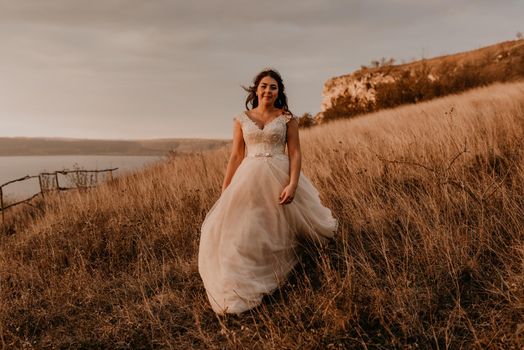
(248, 240)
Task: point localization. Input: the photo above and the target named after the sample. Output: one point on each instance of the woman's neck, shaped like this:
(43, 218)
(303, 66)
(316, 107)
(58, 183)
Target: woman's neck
(266, 109)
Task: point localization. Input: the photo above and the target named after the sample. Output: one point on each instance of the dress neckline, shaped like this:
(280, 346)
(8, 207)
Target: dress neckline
(265, 125)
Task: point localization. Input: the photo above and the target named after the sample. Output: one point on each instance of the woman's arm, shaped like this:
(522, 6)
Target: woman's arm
(295, 162)
(237, 154)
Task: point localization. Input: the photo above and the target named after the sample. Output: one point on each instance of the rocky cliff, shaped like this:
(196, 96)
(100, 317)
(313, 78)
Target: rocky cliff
(365, 89)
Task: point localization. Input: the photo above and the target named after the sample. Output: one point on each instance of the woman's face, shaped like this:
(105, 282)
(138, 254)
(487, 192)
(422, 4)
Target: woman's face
(267, 91)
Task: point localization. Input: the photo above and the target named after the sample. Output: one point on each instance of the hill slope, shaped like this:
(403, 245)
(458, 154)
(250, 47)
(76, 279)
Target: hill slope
(388, 85)
(430, 250)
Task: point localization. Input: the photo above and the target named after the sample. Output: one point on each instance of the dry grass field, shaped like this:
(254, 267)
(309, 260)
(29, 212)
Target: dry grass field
(429, 252)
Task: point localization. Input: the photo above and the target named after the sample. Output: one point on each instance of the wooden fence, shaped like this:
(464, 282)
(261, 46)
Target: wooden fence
(43, 182)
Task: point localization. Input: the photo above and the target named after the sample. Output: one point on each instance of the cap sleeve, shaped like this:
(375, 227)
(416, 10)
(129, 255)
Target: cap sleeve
(238, 117)
(289, 117)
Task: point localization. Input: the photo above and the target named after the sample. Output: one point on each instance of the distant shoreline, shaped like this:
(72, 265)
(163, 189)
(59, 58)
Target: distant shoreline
(24, 146)
(85, 154)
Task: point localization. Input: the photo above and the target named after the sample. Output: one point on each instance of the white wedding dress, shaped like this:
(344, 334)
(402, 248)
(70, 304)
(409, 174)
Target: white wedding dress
(248, 240)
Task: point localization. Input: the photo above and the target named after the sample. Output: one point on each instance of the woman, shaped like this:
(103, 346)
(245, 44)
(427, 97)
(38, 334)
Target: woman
(248, 238)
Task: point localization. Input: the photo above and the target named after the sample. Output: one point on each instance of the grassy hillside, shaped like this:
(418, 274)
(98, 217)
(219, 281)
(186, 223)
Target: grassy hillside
(23, 146)
(429, 254)
(375, 88)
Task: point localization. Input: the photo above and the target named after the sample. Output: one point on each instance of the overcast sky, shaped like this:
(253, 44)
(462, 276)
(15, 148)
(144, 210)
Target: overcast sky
(128, 69)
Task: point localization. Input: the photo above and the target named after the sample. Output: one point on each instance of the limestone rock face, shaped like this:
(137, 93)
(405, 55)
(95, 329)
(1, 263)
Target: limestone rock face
(361, 86)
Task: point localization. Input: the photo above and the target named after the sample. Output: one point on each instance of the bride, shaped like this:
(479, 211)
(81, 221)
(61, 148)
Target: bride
(249, 236)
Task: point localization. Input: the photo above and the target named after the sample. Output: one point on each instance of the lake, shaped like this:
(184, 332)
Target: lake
(14, 167)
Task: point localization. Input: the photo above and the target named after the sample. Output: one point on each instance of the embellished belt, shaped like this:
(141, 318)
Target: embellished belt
(262, 154)
(266, 155)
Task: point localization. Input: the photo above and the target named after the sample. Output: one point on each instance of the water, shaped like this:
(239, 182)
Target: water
(14, 167)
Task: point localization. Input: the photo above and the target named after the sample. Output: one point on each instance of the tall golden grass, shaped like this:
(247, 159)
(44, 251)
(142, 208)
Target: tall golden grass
(429, 252)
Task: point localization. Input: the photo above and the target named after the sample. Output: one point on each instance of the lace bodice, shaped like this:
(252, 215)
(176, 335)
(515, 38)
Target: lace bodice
(267, 142)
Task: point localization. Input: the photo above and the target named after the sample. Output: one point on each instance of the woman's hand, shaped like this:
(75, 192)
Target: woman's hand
(287, 195)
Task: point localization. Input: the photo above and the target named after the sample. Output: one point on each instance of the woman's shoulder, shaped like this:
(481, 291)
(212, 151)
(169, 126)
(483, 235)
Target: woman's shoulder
(288, 116)
(239, 117)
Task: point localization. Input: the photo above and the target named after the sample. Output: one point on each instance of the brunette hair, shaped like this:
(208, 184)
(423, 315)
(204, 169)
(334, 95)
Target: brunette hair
(280, 102)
